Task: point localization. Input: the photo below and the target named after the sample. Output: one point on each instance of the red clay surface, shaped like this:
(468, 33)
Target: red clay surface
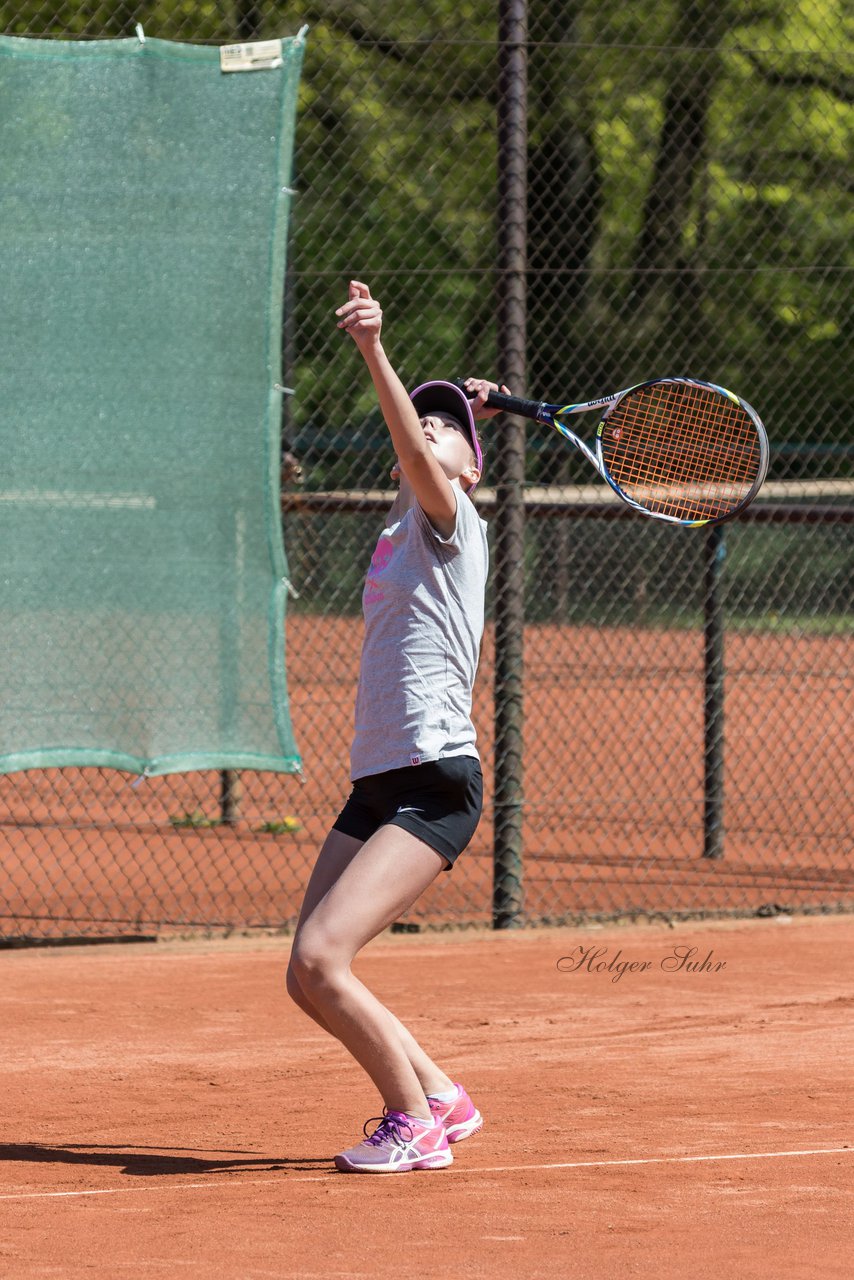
(613, 795)
(167, 1112)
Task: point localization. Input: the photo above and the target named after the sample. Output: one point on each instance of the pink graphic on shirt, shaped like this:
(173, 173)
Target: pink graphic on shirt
(380, 561)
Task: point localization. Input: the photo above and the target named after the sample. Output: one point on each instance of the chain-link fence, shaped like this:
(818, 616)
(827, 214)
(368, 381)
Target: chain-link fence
(666, 726)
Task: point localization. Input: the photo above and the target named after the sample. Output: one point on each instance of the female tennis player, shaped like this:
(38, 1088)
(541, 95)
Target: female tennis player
(417, 785)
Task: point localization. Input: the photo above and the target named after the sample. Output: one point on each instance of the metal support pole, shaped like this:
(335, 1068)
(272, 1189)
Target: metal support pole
(230, 791)
(248, 20)
(229, 638)
(247, 26)
(713, 700)
(509, 522)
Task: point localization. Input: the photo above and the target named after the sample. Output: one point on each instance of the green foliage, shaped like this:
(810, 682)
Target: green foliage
(192, 821)
(398, 169)
(281, 827)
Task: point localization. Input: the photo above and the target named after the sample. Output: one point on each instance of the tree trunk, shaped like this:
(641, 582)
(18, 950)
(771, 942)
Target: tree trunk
(680, 159)
(564, 201)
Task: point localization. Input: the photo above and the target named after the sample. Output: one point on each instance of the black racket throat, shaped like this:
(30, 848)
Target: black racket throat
(536, 409)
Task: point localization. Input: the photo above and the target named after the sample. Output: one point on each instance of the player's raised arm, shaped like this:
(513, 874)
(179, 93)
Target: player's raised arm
(429, 457)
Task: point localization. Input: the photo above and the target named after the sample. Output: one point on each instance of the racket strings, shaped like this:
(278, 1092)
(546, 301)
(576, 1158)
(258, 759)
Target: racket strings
(682, 451)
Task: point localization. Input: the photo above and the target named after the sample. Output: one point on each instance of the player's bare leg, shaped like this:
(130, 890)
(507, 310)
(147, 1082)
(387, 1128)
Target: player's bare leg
(338, 851)
(357, 891)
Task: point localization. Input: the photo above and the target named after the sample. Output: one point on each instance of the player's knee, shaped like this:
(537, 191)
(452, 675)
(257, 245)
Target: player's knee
(294, 989)
(312, 965)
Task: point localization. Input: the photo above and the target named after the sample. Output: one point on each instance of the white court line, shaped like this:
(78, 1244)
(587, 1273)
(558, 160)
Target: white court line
(501, 1168)
(606, 1164)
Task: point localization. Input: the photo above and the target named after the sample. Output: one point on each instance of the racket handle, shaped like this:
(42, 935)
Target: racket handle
(510, 404)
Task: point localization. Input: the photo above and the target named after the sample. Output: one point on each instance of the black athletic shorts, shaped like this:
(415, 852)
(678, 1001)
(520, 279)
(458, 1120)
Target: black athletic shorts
(440, 802)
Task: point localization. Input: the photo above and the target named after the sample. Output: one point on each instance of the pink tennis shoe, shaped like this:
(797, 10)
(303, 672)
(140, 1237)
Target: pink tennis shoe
(399, 1144)
(460, 1117)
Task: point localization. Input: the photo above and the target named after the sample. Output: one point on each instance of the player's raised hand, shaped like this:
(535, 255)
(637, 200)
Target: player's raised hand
(361, 316)
(480, 389)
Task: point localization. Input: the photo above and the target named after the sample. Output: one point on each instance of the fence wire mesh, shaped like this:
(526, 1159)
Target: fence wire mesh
(688, 212)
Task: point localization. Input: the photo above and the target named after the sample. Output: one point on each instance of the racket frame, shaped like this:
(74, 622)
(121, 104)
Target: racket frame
(550, 415)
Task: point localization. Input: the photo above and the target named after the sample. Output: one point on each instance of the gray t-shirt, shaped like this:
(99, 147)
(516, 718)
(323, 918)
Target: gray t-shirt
(423, 607)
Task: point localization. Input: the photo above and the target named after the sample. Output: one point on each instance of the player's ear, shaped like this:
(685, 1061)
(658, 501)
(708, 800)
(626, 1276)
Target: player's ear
(470, 477)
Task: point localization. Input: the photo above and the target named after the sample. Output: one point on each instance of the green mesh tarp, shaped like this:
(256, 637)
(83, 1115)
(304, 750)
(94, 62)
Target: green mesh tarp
(143, 211)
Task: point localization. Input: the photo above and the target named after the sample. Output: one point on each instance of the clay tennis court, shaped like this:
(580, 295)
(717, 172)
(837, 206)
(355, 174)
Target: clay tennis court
(169, 1113)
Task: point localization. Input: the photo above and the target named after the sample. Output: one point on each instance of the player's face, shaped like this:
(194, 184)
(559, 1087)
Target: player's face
(449, 442)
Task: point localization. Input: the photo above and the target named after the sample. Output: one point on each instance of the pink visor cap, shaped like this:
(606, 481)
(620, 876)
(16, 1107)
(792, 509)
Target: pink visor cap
(444, 397)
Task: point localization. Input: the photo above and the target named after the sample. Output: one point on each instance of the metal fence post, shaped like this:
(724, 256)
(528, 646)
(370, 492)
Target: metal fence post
(510, 464)
(247, 25)
(713, 694)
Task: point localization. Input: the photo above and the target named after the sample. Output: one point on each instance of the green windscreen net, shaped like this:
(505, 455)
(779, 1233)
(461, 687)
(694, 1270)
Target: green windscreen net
(143, 210)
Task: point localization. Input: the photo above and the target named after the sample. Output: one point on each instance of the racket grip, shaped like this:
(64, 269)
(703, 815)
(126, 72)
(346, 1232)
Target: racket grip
(510, 404)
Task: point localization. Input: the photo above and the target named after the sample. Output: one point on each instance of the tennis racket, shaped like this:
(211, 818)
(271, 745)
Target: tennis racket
(675, 449)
